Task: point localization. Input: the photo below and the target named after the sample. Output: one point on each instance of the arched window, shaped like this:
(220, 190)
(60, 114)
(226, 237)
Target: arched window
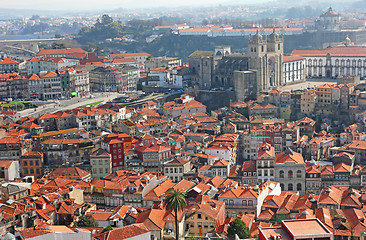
(282, 174)
(250, 203)
(282, 187)
(290, 174)
(290, 187)
(298, 187)
(244, 202)
(298, 174)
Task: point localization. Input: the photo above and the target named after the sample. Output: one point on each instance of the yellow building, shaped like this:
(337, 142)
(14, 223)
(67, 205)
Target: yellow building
(324, 95)
(203, 216)
(308, 99)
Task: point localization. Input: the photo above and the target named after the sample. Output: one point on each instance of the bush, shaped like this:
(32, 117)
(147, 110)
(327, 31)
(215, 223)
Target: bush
(86, 221)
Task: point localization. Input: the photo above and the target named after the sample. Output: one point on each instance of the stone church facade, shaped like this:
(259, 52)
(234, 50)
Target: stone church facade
(261, 69)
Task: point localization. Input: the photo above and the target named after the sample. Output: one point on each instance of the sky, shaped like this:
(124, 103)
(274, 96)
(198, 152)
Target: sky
(77, 5)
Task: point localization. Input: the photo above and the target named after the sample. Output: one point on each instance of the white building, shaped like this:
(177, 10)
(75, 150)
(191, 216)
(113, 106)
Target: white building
(9, 170)
(343, 60)
(293, 69)
(38, 64)
(329, 21)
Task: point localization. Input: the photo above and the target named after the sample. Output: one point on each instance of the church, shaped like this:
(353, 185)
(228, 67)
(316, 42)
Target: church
(262, 69)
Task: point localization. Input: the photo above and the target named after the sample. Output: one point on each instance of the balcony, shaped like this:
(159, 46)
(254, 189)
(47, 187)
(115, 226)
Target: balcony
(239, 206)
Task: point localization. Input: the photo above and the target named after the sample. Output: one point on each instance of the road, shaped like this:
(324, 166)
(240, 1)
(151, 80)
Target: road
(63, 105)
(31, 40)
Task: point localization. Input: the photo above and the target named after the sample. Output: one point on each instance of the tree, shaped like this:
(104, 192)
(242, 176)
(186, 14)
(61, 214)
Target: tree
(175, 201)
(106, 19)
(238, 227)
(107, 228)
(86, 221)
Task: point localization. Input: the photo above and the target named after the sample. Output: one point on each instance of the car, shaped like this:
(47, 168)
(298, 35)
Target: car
(61, 98)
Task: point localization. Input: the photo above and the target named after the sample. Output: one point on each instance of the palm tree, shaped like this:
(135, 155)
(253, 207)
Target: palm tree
(175, 201)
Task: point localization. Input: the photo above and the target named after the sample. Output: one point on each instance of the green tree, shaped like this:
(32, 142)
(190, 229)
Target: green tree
(107, 228)
(175, 201)
(56, 45)
(238, 227)
(106, 19)
(86, 221)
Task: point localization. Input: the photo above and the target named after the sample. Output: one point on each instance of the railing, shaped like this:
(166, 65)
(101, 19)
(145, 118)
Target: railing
(239, 206)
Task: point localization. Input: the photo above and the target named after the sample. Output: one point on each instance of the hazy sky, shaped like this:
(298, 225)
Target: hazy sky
(77, 5)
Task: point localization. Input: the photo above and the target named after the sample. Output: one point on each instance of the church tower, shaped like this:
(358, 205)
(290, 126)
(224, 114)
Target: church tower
(275, 59)
(266, 57)
(257, 50)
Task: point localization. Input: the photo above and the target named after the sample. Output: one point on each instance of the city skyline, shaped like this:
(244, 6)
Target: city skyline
(109, 4)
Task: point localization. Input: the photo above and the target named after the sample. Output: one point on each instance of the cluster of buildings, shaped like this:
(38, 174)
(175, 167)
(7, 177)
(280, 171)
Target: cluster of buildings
(290, 165)
(70, 72)
(244, 161)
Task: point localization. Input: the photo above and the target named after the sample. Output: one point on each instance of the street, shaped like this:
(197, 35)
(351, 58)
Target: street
(62, 105)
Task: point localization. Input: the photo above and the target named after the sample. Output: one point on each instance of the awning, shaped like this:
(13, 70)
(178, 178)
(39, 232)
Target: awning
(74, 94)
(34, 94)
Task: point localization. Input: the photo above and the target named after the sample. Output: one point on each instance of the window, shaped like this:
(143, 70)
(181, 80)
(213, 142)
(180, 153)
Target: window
(250, 203)
(199, 216)
(244, 202)
(290, 174)
(298, 187)
(298, 174)
(290, 187)
(282, 174)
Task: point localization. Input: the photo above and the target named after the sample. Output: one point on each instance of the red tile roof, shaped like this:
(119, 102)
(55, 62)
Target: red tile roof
(341, 50)
(292, 58)
(60, 51)
(69, 172)
(49, 74)
(289, 156)
(8, 61)
(126, 232)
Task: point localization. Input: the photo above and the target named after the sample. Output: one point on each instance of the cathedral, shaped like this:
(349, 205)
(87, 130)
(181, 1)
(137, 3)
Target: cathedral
(265, 56)
(261, 69)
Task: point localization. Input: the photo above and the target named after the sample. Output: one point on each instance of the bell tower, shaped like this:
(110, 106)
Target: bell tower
(257, 51)
(275, 59)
